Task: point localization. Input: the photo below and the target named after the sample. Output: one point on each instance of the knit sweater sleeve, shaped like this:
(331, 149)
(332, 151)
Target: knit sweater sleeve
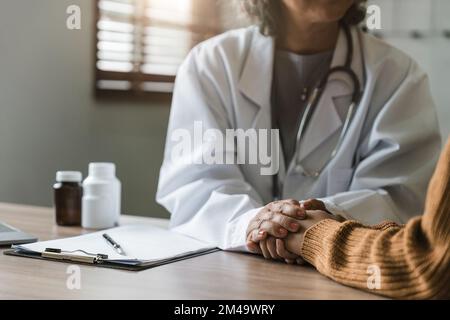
(411, 262)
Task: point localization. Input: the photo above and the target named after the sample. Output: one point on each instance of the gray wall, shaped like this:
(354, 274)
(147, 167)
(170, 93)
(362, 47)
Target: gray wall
(430, 18)
(49, 119)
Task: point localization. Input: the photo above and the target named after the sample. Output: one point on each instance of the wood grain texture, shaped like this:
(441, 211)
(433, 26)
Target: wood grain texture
(220, 275)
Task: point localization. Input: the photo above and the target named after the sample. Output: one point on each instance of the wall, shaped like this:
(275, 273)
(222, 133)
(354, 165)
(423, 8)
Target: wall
(430, 18)
(49, 119)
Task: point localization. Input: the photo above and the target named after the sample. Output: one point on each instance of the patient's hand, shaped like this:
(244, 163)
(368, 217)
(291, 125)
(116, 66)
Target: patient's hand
(314, 204)
(294, 241)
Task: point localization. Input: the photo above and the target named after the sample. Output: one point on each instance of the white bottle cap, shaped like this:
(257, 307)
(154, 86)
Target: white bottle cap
(102, 170)
(68, 176)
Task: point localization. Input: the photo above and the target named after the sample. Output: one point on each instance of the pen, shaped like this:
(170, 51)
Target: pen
(114, 244)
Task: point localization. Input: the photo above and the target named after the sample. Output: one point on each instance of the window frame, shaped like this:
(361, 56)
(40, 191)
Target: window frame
(136, 78)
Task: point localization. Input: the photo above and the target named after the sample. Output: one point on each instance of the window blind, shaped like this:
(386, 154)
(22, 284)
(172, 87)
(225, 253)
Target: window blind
(141, 43)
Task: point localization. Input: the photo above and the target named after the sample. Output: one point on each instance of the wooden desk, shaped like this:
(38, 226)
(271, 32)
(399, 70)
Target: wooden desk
(220, 275)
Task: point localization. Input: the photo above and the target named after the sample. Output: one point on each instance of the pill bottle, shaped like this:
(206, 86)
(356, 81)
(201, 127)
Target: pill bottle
(68, 193)
(101, 197)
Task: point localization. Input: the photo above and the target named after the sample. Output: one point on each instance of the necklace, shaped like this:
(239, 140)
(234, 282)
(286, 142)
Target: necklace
(305, 92)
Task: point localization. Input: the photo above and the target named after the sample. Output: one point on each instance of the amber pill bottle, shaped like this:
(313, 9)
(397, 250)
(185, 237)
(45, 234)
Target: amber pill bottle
(68, 192)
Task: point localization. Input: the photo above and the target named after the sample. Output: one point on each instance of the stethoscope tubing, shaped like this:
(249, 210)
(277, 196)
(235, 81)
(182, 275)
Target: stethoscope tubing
(311, 105)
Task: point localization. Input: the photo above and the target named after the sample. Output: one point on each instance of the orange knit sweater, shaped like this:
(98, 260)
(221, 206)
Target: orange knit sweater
(413, 261)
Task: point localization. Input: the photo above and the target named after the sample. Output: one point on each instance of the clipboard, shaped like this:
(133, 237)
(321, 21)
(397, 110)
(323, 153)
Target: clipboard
(104, 264)
(145, 245)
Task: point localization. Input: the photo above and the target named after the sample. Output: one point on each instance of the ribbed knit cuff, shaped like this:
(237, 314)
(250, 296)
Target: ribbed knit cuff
(315, 241)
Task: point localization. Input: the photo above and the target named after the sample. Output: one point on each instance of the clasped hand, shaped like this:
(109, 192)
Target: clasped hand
(277, 231)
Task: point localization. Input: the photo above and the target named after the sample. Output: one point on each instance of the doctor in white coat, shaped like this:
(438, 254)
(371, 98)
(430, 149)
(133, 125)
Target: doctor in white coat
(381, 167)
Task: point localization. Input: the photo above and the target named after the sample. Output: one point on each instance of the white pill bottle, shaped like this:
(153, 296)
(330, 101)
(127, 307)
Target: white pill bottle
(101, 197)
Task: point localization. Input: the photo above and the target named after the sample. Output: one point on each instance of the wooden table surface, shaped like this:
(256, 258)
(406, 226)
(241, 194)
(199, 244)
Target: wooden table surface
(220, 275)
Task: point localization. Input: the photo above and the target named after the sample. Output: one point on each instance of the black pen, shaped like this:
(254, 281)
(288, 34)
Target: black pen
(114, 244)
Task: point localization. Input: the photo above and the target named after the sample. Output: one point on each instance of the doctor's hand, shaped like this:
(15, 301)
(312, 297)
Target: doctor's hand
(276, 219)
(266, 239)
(289, 248)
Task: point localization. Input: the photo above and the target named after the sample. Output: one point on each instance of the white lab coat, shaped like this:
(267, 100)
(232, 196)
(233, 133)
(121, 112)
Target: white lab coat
(382, 168)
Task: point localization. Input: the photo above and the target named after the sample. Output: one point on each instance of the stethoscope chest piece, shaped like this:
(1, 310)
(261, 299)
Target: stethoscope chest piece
(299, 169)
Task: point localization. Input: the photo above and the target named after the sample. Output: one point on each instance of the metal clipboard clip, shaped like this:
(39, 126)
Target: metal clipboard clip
(58, 254)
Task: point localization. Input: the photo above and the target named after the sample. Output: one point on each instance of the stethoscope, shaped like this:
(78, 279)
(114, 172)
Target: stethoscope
(313, 100)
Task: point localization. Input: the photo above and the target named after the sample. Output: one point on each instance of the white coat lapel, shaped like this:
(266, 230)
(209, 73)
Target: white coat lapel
(256, 79)
(256, 85)
(326, 120)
